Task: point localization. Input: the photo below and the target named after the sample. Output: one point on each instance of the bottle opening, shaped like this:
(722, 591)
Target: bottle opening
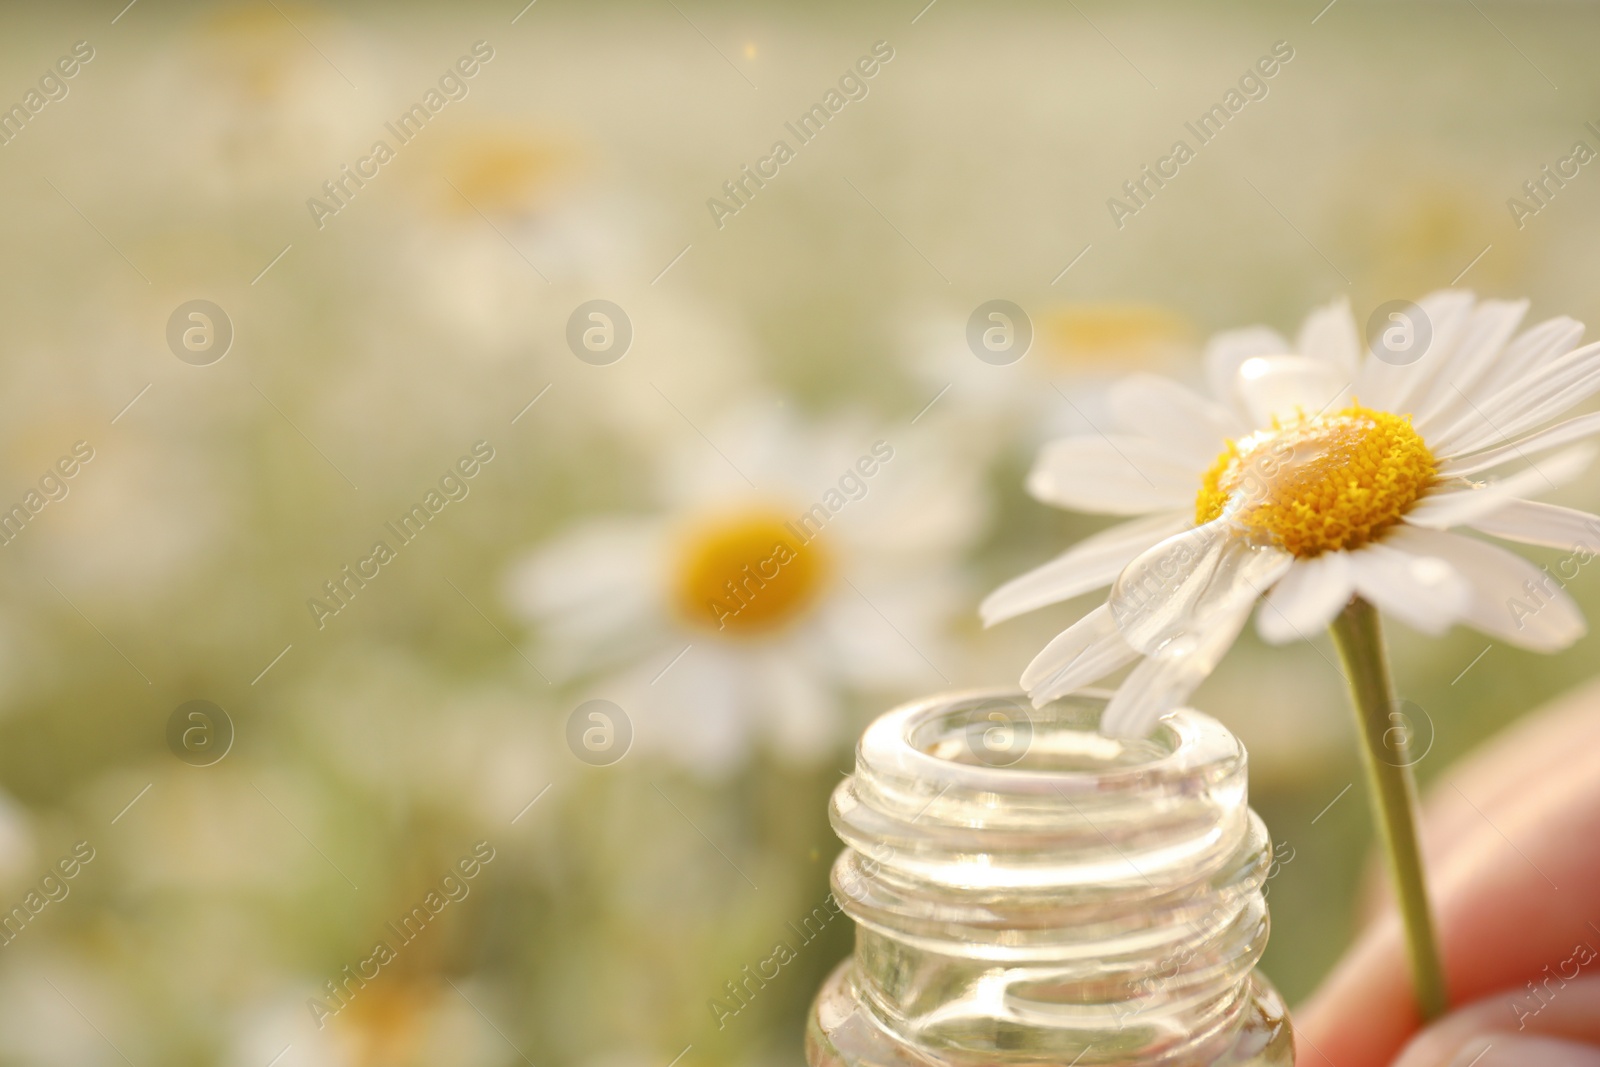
(1008, 731)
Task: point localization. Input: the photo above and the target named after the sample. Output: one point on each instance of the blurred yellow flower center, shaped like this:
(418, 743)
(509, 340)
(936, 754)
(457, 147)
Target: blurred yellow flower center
(1111, 333)
(503, 172)
(746, 573)
(1318, 484)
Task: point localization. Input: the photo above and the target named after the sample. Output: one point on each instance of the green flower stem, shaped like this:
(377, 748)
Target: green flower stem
(1359, 637)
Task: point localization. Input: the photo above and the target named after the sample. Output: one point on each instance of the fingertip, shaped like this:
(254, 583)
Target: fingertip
(1560, 1027)
(1502, 1050)
(1364, 986)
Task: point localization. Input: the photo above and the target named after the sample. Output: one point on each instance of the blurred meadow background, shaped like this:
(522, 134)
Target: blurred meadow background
(377, 741)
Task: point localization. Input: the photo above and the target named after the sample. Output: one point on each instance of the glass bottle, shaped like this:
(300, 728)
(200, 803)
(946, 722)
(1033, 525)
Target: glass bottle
(1026, 891)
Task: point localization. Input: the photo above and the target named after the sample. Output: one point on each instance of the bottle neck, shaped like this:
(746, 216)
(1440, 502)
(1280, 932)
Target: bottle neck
(1027, 889)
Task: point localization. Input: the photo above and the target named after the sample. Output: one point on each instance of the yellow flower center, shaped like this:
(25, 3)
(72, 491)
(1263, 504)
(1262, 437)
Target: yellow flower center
(1317, 484)
(746, 573)
(504, 172)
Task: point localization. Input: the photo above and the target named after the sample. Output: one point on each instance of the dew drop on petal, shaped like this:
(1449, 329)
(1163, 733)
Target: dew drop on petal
(1169, 598)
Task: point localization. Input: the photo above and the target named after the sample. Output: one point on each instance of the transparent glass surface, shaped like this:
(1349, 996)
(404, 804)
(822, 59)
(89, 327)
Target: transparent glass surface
(1027, 891)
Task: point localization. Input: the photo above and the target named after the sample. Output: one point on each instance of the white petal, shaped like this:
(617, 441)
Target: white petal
(1575, 429)
(1090, 564)
(1306, 599)
(1153, 406)
(1285, 386)
(1510, 598)
(1195, 643)
(1391, 387)
(1152, 689)
(592, 560)
(1454, 507)
(1424, 592)
(1457, 377)
(1164, 596)
(1084, 652)
(802, 717)
(1162, 586)
(1227, 350)
(1525, 404)
(1386, 386)
(1329, 336)
(1115, 475)
(1534, 523)
(1532, 351)
(596, 590)
(700, 712)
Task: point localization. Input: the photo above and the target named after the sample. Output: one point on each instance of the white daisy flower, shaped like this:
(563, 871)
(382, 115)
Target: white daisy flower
(1314, 475)
(745, 611)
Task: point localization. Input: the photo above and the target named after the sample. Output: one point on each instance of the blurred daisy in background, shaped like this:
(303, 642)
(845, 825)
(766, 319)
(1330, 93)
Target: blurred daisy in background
(500, 220)
(510, 231)
(790, 565)
(412, 1020)
(408, 1019)
(1059, 383)
(1312, 477)
(269, 109)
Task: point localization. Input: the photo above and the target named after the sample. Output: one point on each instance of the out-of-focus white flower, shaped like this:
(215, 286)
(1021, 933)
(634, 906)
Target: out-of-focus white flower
(1077, 351)
(1289, 486)
(501, 225)
(267, 109)
(789, 565)
(410, 1018)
